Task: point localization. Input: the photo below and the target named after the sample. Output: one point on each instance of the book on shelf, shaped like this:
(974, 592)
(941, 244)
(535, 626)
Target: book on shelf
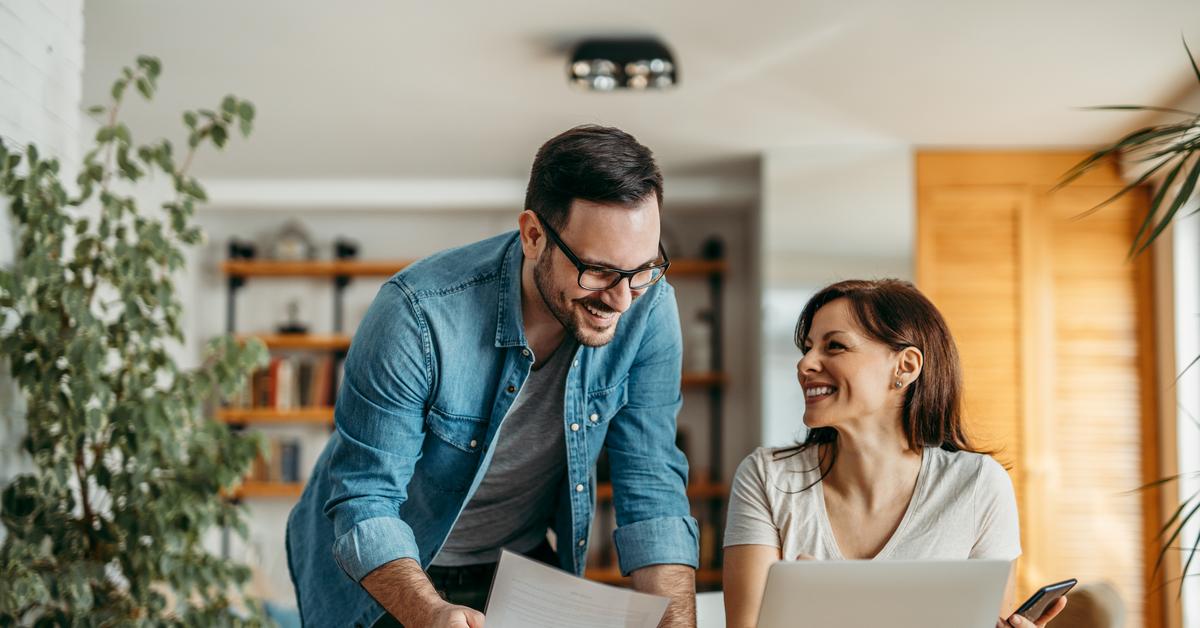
(279, 464)
(290, 382)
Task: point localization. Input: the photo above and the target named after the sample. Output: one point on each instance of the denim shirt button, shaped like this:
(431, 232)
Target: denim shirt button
(582, 542)
(578, 488)
(595, 417)
(474, 443)
(525, 352)
(574, 427)
(511, 389)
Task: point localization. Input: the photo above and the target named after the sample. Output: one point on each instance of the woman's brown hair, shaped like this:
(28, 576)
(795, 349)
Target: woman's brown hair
(895, 313)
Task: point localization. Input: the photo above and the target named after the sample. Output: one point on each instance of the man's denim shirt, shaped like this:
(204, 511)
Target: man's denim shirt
(437, 361)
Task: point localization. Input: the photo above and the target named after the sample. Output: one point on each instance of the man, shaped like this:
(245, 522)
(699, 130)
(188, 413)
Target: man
(477, 394)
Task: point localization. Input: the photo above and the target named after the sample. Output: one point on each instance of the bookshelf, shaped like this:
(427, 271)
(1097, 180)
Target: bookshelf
(319, 415)
(708, 494)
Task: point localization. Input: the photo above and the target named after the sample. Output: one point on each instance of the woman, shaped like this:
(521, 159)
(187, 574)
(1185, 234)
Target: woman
(886, 471)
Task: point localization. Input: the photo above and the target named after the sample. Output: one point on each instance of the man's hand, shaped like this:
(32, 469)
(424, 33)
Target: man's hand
(451, 616)
(404, 591)
(677, 582)
(1017, 621)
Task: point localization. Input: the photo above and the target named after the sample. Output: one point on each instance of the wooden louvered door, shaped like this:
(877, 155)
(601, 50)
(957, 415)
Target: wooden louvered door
(1053, 324)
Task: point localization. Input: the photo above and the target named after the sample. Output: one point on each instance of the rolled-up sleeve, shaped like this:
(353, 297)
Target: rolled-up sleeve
(649, 473)
(379, 419)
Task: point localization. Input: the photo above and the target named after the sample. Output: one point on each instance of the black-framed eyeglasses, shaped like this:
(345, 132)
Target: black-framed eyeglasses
(598, 278)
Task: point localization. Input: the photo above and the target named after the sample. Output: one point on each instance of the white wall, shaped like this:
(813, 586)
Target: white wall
(41, 68)
(828, 213)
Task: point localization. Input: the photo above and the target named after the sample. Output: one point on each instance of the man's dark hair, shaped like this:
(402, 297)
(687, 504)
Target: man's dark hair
(594, 163)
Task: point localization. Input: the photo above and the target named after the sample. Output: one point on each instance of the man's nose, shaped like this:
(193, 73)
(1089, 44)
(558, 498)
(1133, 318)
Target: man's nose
(619, 296)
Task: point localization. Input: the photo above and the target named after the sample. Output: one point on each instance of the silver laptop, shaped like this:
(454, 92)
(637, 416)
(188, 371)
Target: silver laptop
(896, 594)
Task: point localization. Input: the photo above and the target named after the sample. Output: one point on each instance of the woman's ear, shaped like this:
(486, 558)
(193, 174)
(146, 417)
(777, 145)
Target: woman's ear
(908, 366)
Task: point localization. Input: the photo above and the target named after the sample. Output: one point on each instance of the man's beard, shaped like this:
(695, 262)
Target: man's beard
(568, 317)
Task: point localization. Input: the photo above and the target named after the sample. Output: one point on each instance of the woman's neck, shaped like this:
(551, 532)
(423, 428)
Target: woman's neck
(874, 465)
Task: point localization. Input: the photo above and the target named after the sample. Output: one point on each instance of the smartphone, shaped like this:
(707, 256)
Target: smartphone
(1037, 603)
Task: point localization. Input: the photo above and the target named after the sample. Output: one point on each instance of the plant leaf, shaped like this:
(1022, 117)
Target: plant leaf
(1140, 108)
(1155, 203)
(1178, 528)
(1185, 194)
(1139, 137)
(1191, 59)
(1123, 191)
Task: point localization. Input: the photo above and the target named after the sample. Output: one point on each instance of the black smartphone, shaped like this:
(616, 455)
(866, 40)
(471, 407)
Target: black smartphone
(1037, 603)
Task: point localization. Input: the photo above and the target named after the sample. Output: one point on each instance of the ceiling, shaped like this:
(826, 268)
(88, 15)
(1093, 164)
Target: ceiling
(382, 89)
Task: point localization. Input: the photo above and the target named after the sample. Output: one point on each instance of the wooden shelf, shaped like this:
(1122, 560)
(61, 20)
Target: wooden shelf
(695, 490)
(697, 268)
(704, 380)
(319, 415)
(357, 268)
(312, 342)
(312, 268)
(612, 575)
(252, 489)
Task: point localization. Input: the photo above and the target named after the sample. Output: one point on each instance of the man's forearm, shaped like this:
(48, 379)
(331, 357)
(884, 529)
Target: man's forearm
(677, 582)
(403, 590)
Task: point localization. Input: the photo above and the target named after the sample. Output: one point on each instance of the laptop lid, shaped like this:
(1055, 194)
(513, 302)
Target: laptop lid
(897, 594)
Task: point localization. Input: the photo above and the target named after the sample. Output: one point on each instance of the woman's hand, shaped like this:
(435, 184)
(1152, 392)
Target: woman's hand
(1017, 621)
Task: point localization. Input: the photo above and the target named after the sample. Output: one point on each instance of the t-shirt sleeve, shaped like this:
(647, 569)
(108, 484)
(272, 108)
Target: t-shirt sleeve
(749, 521)
(997, 528)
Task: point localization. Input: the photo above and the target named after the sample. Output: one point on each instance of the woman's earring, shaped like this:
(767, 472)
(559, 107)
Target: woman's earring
(899, 384)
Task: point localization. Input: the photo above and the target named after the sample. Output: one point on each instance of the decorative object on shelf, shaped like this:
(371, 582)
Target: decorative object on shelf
(603, 65)
(293, 324)
(241, 249)
(293, 243)
(713, 248)
(106, 524)
(345, 248)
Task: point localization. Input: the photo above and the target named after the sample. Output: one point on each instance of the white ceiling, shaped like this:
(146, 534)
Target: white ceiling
(383, 89)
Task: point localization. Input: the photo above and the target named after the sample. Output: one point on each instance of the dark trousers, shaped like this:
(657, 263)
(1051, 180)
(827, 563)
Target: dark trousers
(469, 585)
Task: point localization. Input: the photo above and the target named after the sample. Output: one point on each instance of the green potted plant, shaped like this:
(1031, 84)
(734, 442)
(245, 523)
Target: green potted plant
(108, 527)
(1171, 148)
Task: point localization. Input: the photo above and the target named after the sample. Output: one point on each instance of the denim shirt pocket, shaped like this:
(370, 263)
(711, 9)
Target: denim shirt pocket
(604, 403)
(451, 452)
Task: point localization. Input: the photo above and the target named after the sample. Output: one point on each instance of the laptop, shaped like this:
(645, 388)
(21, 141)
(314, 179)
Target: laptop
(897, 594)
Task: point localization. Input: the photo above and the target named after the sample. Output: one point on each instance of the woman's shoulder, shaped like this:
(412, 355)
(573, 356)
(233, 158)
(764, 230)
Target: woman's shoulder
(768, 463)
(968, 467)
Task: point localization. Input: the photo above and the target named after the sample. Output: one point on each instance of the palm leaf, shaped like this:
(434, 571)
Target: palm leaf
(1187, 565)
(1191, 59)
(1187, 368)
(1185, 193)
(1155, 203)
(1162, 553)
(1181, 112)
(1140, 180)
(1140, 137)
(1161, 481)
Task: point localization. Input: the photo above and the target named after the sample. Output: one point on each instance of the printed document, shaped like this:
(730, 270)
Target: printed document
(530, 594)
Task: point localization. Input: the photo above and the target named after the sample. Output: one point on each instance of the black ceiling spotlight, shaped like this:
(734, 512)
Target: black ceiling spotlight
(606, 64)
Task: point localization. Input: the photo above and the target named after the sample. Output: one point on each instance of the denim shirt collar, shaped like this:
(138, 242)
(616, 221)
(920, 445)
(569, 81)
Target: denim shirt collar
(510, 320)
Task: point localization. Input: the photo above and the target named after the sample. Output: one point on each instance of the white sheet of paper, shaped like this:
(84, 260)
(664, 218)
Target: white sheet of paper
(529, 594)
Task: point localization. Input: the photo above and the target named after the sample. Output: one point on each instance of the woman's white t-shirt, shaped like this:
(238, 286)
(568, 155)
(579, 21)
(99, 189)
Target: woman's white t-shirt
(963, 507)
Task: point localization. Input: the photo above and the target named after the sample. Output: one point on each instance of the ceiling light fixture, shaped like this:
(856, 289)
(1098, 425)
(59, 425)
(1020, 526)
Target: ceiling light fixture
(603, 65)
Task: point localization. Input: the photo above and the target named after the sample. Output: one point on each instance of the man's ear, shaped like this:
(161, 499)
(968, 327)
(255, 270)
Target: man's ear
(909, 364)
(533, 237)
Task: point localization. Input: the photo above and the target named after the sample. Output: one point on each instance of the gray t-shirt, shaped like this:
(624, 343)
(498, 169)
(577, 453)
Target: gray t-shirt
(515, 502)
(963, 507)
